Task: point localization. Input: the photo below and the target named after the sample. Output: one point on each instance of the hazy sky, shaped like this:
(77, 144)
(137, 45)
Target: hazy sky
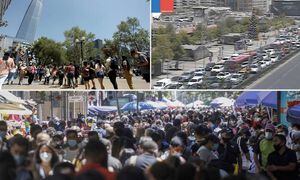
(100, 17)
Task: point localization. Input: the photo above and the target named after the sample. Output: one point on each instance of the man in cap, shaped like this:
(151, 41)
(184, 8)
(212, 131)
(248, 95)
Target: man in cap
(264, 148)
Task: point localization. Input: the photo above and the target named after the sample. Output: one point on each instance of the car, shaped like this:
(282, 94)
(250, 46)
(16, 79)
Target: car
(237, 78)
(225, 59)
(274, 58)
(173, 85)
(270, 51)
(224, 75)
(255, 68)
(248, 42)
(209, 66)
(263, 64)
(195, 80)
(176, 78)
(161, 84)
(234, 55)
(201, 69)
(187, 76)
(265, 56)
(245, 64)
(199, 74)
(298, 45)
(217, 68)
(268, 62)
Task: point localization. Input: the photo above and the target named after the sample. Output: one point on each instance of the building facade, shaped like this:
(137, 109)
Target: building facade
(4, 4)
(28, 27)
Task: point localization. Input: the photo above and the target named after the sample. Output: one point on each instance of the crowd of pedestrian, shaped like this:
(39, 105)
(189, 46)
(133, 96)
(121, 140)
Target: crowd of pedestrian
(71, 75)
(179, 144)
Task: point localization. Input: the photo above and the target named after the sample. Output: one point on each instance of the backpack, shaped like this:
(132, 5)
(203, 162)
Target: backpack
(114, 64)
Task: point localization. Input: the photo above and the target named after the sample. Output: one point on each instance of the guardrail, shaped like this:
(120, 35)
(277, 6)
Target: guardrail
(260, 74)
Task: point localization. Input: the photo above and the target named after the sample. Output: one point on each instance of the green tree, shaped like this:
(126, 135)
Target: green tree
(48, 51)
(73, 47)
(131, 35)
(163, 50)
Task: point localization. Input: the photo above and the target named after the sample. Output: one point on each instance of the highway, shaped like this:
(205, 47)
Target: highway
(285, 76)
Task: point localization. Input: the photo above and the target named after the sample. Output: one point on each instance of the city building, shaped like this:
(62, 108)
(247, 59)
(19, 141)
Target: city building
(28, 27)
(286, 7)
(4, 4)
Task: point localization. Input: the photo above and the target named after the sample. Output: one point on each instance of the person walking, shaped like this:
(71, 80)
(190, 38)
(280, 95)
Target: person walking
(3, 69)
(127, 71)
(112, 67)
(100, 69)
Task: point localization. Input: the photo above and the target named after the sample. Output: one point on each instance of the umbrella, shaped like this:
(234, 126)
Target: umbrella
(222, 102)
(131, 96)
(251, 98)
(293, 114)
(132, 106)
(266, 98)
(158, 105)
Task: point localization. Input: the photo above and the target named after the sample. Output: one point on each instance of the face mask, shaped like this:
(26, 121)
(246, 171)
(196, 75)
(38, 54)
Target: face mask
(268, 135)
(19, 159)
(2, 134)
(72, 143)
(46, 157)
(277, 147)
(215, 147)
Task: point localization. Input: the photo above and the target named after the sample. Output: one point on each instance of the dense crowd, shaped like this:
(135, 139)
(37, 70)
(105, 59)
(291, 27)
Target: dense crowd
(179, 144)
(71, 75)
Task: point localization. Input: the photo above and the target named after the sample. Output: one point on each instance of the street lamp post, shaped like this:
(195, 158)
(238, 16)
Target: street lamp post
(81, 41)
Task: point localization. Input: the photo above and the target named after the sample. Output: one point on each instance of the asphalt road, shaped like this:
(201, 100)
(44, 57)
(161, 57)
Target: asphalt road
(285, 76)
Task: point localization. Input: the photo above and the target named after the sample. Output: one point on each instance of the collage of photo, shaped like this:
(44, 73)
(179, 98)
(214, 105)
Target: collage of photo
(149, 90)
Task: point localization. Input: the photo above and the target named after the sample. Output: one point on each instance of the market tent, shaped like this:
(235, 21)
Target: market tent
(266, 98)
(158, 105)
(102, 109)
(132, 106)
(293, 114)
(270, 100)
(251, 98)
(12, 105)
(196, 104)
(222, 102)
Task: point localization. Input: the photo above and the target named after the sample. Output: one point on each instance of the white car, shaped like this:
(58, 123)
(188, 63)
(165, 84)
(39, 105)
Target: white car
(236, 78)
(224, 75)
(263, 64)
(268, 62)
(161, 84)
(195, 80)
(270, 51)
(274, 58)
(234, 55)
(265, 56)
(217, 68)
(245, 64)
(255, 68)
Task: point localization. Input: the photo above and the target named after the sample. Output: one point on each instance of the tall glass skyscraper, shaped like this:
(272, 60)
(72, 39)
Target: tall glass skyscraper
(30, 21)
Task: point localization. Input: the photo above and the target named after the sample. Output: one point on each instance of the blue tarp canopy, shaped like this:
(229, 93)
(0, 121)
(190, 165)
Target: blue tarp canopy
(266, 98)
(132, 106)
(293, 114)
(101, 109)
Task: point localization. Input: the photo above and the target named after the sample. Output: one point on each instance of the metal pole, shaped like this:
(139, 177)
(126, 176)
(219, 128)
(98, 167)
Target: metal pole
(51, 101)
(81, 48)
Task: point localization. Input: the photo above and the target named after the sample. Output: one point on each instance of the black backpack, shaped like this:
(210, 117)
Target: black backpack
(114, 64)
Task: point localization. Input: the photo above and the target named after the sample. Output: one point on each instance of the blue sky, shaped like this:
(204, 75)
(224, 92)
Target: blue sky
(100, 17)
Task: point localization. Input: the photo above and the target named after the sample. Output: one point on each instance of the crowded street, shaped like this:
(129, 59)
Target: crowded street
(150, 135)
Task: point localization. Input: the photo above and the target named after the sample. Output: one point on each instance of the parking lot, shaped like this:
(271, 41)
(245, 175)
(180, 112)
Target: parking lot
(234, 69)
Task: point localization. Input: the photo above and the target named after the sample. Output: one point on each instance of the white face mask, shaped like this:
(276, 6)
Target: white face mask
(268, 135)
(46, 157)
